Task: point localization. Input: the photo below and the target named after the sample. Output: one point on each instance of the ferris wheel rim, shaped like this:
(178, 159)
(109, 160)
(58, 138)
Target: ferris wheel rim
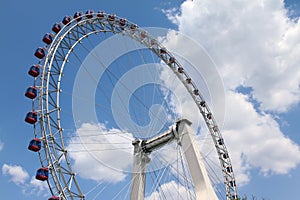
(166, 56)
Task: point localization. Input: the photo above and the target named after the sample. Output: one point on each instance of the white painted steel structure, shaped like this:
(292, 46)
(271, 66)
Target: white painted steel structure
(181, 133)
(54, 155)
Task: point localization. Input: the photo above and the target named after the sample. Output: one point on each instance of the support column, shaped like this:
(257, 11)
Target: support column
(203, 187)
(138, 180)
(183, 134)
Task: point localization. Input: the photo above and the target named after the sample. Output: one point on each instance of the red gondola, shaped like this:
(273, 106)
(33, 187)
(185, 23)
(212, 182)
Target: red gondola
(89, 14)
(215, 129)
(180, 69)
(171, 60)
(48, 38)
(34, 70)
(111, 17)
(40, 53)
(220, 141)
(202, 103)
(163, 51)
(78, 16)
(196, 92)
(100, 15)
(188, 80)
(225, 156)
(31, 92)
(35, 145)
(232, 183)
(66, 20)
(56, 27)
(54, 198)
(143, 35)
(133, 27)
(42, 174)
(229, 169)
(31, 117)
(153, 42)
(209, 116)
(122, 22)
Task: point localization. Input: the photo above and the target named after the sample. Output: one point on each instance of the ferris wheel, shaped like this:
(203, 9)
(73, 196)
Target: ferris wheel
(140, 128)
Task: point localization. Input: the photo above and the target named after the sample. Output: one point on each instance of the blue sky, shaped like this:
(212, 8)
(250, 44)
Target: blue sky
(25, 23)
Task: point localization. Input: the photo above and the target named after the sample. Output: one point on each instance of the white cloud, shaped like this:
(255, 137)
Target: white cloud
(256, 140)
(101, 154)
(170, 189)
(17, 173)
(36, 187)
(255, 45)
(20, 177)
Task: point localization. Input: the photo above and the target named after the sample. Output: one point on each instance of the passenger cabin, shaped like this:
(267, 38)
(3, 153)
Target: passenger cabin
(133, 27)
(42, 174)
(180, 69)
(225, 155)
(196, 92)
(215, 129)
(202, 104)
(56, 27)
(143, 35)
(163, 51)
(34, 70)
(66, 20)
(209, 116)
(78, 16)
(89, 14)
(188, 80)
(153, 42)
(111, 17)
(31, 117)
(40, 53)
(48, 38)
(122, 22)
(31, 92)
(35, 145)
(54, 198)
(220, 142)
(232, 183)
(171, 60)
(100, 15)
(229, 169)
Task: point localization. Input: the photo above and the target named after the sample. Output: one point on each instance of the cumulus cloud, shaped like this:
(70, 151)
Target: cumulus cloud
(94, 150)
(36, 187)
(17, 174)
(172, 190)
(20, 177)
(254, 45)
(106, 155)
(256, 141)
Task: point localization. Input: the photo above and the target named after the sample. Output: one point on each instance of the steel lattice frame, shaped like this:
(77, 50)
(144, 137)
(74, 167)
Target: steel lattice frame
(54, 154)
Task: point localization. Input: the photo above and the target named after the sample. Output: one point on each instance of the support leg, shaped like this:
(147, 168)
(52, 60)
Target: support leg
(138, 180)
(203, 187)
